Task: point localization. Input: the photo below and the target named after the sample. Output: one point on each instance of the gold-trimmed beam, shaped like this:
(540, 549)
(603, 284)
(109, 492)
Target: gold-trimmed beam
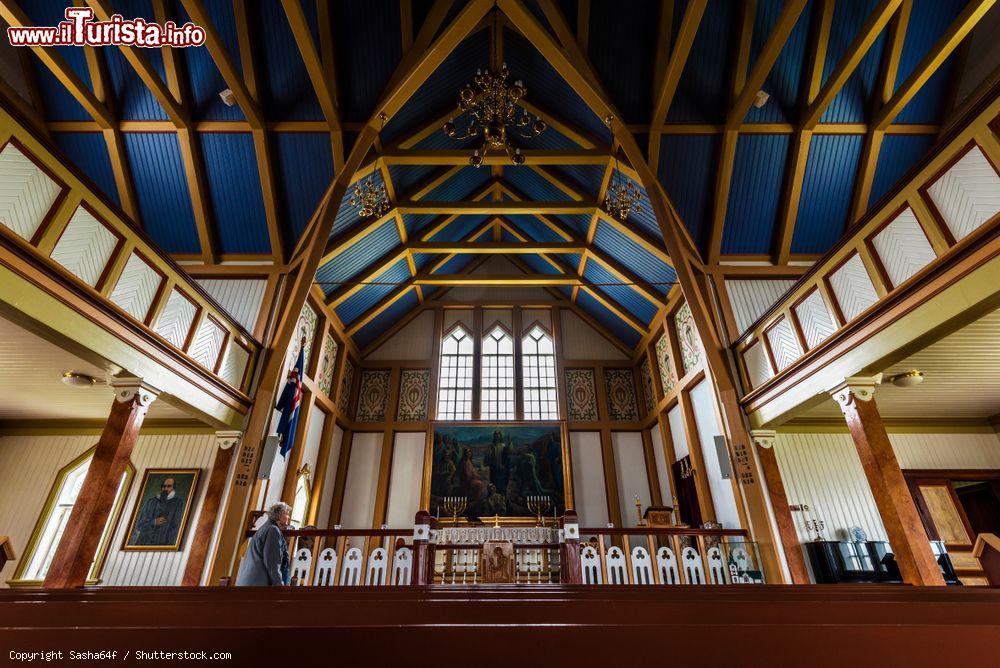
(396, 156)
(495, 208)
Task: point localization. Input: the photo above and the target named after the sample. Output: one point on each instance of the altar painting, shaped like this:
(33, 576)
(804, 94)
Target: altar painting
(496, 468)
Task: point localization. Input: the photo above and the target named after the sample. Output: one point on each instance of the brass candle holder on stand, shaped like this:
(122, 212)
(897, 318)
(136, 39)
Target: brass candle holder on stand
(455, 506)
(538, 505)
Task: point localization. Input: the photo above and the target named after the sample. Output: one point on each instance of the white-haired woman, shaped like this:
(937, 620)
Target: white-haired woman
(266, 560)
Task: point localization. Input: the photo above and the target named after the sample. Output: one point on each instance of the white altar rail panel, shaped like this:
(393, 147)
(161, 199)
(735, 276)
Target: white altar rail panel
(337, 558)
(668, 556)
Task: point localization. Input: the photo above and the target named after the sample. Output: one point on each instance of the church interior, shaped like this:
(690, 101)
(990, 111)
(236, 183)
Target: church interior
(654, 329)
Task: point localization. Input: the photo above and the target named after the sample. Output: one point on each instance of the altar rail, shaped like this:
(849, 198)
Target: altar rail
(588, 556)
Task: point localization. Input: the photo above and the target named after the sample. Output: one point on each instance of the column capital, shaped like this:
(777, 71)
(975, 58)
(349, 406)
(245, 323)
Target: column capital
(130, 387)
(227, 439)
(860, 388)
(763, 438)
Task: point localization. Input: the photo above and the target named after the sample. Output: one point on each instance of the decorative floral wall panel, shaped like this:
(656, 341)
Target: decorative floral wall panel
(373, 396)
(667, 376)
(345, 387)
(581, 394)
(621, 394)
(327, 364)
(414, 386)
(687, 336)
(647, 385)
(305, 327)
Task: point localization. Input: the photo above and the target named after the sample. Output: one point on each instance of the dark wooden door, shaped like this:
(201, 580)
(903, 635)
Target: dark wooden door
(687, 493)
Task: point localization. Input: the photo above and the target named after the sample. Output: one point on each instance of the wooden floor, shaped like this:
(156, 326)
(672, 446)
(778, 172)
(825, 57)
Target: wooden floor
(521, 626)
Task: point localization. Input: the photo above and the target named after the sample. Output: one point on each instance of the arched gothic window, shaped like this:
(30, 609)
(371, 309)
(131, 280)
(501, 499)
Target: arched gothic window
(538, 362)
(497, 391)
(455, 378)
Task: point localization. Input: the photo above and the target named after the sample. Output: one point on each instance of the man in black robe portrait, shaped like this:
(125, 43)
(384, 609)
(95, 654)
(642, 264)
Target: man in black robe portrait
(160, 517)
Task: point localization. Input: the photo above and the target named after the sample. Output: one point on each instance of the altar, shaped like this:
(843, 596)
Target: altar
(477, 535)
(497, 554)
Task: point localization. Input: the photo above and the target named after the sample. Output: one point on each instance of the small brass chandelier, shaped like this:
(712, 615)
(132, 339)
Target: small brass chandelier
(370, 198)
(493, 106)
(622, 197)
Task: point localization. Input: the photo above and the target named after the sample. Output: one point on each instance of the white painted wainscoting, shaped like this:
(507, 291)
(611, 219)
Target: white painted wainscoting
(28, 467)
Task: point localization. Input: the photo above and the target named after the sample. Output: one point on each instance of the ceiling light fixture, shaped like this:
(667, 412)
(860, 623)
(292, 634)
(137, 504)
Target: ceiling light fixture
(623, 197)
(910, 378)
(74, 379)
(760, 99)
(370, 198)
(228, 98)
(493, 105)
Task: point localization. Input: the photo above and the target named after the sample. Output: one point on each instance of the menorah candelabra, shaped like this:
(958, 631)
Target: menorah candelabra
(539, 505)
(455, 506)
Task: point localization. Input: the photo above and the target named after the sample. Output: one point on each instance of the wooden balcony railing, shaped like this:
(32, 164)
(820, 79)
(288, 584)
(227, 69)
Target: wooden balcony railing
(641, 556)
(77, 247)
(928, 233)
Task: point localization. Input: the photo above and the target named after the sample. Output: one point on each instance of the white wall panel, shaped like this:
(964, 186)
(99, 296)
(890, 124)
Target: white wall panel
(362, 481)
(750, 299)
(589, 493)
(823, 471)
(323, 517)
(678, 434)
(583, 342)
(702, 402)
(28, 467)
(415, 341)
(405, 479)
(662, 467)
(241, 297)
(630, 467)
(317, 420)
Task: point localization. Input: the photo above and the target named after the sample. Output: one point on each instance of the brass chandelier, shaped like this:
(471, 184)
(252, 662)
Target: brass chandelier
(370, 198)
(493, 106)
(622, 197)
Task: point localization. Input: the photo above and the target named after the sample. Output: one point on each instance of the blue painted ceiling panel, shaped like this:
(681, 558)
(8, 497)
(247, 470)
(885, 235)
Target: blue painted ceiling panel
(467, 181)
(702, 93)
(625, 296)
(460, 228)
(368, 49)
(539, 264)
(687, 172)
(89, 152)
(370, 295)
(616, 326)
(414, 222)
(386, 319)
(234, 191)
(134, 100)
(929, 20)
(533, 228)
(205, 80)
(576, 222)
(855, 99)
(783, 81)
(304, 168)
(529, 183)
(285, 87)
(644, 217)
(407, 177)
(586, 178)
(898, 154)
(58, 102)
(440, 92)
(755, 196)
(630, 254)
(826, 201)
(621, 51)
(546, 88)
(360, 257)
(162, 191)
(456, 264)
(550, 140)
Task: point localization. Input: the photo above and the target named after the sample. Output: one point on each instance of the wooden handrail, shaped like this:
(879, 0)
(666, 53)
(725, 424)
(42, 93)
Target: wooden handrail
(663, 531)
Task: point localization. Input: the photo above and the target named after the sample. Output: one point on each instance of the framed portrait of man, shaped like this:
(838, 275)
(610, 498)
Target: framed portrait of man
(162, 510)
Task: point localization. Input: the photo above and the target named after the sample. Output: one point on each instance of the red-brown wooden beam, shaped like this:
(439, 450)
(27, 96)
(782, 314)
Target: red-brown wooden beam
(907, 536)
(79, 541)
(764, 440)
(226, 442)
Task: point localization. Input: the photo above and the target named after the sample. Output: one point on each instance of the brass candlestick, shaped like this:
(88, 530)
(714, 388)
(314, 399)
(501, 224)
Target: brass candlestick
(638, 511)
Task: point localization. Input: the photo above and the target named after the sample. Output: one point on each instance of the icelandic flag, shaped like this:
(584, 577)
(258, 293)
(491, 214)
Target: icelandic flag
(288, 404)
